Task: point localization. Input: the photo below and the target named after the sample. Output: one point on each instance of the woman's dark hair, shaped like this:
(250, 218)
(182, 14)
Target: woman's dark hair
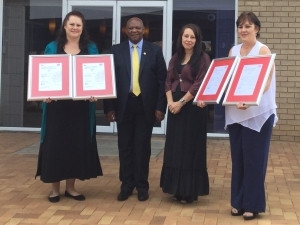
(251, 17)
(84, 37)
(194, 61)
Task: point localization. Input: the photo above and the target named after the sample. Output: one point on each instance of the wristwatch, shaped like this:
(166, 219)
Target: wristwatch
(182, 100)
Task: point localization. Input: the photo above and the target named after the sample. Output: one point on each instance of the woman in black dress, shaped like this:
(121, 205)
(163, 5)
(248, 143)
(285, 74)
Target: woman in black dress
(68, 148)
(184, 173)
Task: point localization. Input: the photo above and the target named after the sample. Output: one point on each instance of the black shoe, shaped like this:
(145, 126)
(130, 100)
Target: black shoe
(251, 217)
(76, 197)
(54, 199)
(238, 212)
(188, 199)
(143, 196)
(178, 197)
(124, 195)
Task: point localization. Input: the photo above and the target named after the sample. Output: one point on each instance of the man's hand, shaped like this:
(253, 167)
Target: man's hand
(159, 115)
(111, 116)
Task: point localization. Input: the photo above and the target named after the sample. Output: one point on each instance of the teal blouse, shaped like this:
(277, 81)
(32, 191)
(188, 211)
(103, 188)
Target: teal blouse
(51, 48)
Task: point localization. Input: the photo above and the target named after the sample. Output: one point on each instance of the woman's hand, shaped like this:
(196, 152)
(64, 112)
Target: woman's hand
(92, 99)
(242, 106)
(175, 107)
(201, 104)
(47, 100)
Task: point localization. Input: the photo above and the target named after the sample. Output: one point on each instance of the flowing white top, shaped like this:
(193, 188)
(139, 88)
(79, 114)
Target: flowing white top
(253, 117)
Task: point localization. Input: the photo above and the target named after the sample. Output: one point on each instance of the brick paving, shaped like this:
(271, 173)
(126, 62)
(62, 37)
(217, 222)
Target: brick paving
(23, 199)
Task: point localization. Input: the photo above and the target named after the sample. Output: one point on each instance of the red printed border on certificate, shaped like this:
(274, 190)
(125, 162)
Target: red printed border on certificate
(224, 78)
(109, 73)
(266, 62)
(34, 93)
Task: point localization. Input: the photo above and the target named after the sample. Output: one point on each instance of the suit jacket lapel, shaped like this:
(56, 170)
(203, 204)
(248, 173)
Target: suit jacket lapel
(145, 51)
(126, 53)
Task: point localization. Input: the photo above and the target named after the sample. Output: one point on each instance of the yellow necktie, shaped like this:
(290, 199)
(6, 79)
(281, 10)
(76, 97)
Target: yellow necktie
(135, 61)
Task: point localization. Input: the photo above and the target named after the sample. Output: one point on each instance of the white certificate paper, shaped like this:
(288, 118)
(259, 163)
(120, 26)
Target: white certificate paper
(248, 79)
(93, 76)
(215, 80)
(50, 77)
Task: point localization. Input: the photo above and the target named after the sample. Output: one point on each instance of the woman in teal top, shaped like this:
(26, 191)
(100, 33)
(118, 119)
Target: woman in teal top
(68, 148)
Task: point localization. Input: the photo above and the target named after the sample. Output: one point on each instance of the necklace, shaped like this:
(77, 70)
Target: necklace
(246, 50)
(179, 71)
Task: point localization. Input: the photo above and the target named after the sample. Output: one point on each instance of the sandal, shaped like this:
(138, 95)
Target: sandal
(237, 212)
(250, 215)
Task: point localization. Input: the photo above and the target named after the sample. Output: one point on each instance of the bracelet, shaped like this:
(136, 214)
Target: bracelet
(182, 100)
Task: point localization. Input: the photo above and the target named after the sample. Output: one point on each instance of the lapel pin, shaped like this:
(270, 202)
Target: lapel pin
(144, 53)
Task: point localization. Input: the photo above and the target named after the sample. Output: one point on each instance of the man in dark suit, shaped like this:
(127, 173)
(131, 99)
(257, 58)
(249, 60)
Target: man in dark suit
(136, 114)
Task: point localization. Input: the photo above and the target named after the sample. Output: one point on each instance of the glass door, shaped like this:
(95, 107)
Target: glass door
(153, 14)
(100, 22)
(106, 22)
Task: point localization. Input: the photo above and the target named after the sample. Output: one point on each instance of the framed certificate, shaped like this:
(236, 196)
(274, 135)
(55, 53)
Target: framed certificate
(249, 79)
(49, 76)
(93, 75)
(216, 80)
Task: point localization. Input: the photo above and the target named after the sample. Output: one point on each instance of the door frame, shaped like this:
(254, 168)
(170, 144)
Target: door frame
(167, 7)
(163, 4)
(68, 7)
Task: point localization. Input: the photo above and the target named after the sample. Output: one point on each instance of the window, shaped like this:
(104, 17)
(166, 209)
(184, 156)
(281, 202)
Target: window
(217, 22)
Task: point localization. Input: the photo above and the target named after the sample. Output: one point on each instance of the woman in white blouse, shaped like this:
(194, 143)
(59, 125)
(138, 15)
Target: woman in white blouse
(250, 129)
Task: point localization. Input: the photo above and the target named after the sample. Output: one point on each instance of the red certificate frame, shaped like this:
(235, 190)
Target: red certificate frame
(249, 79)
(216, 80)
(94, 75)
(49, 76)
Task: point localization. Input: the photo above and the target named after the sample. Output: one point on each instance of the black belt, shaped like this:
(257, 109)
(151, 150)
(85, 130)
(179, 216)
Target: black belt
(133, 95)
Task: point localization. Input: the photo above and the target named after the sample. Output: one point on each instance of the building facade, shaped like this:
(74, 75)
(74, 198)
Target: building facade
(281, 32)
(28, 25)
